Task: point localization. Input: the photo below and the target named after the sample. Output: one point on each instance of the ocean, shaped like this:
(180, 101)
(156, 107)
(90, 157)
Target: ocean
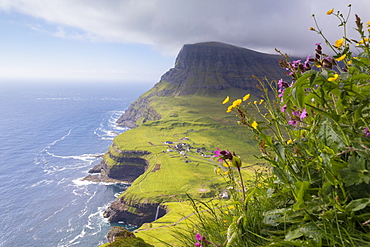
(50, 136)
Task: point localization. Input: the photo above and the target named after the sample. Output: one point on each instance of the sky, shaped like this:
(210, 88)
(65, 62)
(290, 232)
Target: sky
(128, 41)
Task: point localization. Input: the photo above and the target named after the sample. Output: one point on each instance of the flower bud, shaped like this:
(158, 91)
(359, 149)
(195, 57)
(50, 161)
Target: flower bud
(236, 162)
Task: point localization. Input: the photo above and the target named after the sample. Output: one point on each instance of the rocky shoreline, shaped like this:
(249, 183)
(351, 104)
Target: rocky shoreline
(130, 167)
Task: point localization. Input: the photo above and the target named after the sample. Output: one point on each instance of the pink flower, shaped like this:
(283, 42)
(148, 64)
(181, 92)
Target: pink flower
(304, 114)
(283, 108)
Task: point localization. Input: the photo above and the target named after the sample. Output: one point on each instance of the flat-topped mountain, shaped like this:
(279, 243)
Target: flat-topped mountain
(205, 69)
(216, 66)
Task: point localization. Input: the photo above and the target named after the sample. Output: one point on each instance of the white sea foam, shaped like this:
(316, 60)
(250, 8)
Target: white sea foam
(45, 181)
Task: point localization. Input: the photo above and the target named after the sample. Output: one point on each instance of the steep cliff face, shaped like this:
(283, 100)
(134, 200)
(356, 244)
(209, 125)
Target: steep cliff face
(128, 165)
(133, 213)
(205, 69)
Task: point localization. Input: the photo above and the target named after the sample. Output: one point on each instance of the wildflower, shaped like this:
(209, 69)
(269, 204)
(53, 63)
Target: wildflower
(363, 41)
(255, 102)
(330, 12)
(368, 24)
(293, 122)
(339, 43)
(303, 114)
(227, 172)
(261, 101)
(230, 108)
(246, 97)
(230, 207)
(226, 100)
(283, 108)
(367, 132)
(341, 57)
(312, 29)
(237, 102)
(254, 125)
(198, 237)
(289, 141)
(335, 77)
(296, 113)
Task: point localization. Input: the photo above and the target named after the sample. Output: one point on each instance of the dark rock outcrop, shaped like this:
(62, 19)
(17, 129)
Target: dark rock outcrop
(128, 166)
(205, 69)
(119, 236)
(134, 214)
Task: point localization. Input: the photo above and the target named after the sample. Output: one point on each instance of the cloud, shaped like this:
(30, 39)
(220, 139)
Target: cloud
(168, 24)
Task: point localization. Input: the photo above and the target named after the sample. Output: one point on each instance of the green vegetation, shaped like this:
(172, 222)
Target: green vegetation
(315, 140)
(205, 127)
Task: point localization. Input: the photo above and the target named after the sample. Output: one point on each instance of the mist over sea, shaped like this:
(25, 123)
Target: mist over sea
(50, 136)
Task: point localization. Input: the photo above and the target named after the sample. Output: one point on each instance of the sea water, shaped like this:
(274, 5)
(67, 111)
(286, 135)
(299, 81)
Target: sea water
(50, 136)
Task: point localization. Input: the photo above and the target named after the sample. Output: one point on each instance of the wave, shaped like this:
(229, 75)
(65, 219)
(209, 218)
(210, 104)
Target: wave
(83, 157)
(108, 129)
(45, 181)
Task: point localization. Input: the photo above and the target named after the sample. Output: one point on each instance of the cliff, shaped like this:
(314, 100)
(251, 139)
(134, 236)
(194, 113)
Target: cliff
(177, 125)
(205, 69)
(127, 165)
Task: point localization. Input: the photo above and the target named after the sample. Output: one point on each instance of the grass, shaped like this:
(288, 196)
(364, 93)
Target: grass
(205, 123)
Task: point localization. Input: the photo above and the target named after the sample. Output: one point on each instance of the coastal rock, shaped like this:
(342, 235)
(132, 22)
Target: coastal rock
(119, 236)
(96, 169)
(128, 166)
(133, 213)
(118, 232)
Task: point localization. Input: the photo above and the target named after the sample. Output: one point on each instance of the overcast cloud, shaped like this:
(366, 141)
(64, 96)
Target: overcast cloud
(168, 24)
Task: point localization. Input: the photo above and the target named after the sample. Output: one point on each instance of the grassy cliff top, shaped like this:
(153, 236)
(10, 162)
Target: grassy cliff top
(193, 126)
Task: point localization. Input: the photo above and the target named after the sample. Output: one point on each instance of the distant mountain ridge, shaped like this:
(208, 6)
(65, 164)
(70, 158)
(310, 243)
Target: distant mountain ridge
(205, 69)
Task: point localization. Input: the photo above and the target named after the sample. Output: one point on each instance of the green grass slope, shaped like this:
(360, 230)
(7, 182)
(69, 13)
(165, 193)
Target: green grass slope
(171, 175)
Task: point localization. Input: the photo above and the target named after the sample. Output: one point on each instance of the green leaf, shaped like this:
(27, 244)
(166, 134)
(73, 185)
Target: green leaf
(358, 204)
(301, 188)
(232, 233)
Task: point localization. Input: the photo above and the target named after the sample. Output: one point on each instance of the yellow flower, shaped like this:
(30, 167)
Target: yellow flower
(254, 125)
(255, 102)
(226, 164)
(363, 41)
(230, 207)
(230, 108)
(368, 24)
(227, 172)
(335, 77)
(312, 29)
(341, 57)
(237, 102)
(330, 12)
(289, 141)
(349, 62)
(226, 100)
(261, 101)
(339, 43)
(246, 97)
(218, 170)
(226, 212)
